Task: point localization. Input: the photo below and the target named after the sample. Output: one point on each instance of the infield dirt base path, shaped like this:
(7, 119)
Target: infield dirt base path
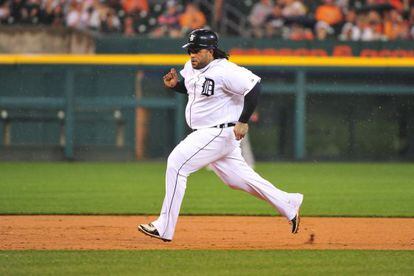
(205, 232)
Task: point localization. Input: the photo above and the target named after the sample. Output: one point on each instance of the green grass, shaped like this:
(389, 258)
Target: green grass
(206, 262)
(331, 189)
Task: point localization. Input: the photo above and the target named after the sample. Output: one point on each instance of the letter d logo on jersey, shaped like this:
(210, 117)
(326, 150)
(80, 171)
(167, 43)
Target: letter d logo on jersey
(208, 87)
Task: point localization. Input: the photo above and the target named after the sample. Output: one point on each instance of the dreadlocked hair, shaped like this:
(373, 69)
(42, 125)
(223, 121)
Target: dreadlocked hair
(217, 53)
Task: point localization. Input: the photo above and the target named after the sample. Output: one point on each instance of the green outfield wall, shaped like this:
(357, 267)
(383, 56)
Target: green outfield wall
(85, 107)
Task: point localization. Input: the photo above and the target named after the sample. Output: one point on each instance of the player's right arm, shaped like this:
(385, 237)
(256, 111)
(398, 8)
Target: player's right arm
(250, 102)
(171, 81)
(240, 81)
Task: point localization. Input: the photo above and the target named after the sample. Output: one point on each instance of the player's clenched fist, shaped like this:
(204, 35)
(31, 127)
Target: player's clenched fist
(240, 130)
(171, 78)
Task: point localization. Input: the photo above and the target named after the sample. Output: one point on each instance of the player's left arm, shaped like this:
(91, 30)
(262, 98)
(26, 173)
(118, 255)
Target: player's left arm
(250, 102)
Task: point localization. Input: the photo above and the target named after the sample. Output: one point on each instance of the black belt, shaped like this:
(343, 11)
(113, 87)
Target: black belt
(225, 125)
(222, 125)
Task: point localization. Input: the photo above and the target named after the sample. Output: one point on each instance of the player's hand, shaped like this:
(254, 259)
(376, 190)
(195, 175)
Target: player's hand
(240, 130)
(171, 78)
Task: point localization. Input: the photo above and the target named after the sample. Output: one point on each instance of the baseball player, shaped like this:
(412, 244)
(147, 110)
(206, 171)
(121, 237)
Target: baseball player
(221, 98)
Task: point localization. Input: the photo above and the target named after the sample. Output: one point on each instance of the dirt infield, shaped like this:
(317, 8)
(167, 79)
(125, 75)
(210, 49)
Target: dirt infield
(205, 232)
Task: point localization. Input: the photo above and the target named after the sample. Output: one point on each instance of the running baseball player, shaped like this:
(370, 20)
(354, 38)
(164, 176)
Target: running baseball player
(221, 98)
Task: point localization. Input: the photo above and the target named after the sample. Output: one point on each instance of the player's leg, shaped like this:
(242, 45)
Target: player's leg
(235, 172)
(196, 151)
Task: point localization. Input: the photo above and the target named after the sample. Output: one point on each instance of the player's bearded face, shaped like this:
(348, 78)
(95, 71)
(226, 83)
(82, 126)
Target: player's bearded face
(200, 57)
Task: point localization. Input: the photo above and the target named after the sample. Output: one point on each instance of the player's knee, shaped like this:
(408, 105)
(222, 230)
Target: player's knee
(232, 186)
(228, 183)
(176, 161)
(235, 184)
(172, 160)
(172, 166)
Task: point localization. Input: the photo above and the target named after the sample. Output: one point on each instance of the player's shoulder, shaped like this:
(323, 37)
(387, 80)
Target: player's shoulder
(228, 67)
(224, 65)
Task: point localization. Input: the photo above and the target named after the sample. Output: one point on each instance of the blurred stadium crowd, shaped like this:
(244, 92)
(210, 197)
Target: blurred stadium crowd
(365, 20)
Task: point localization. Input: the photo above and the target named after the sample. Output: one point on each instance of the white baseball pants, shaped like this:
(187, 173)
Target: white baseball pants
(219, 148)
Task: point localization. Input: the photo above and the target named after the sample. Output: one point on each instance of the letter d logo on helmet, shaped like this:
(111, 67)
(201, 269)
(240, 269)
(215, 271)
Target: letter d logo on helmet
(202, 38)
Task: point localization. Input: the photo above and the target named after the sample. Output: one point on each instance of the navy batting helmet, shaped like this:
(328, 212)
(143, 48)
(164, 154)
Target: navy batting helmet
(202, 38)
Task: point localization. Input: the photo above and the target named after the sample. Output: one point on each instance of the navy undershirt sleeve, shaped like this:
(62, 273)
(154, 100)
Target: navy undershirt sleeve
(250, 103)
(180, 87)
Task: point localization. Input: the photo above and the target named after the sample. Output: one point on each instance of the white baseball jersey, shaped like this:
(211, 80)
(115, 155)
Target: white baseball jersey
(216, 92)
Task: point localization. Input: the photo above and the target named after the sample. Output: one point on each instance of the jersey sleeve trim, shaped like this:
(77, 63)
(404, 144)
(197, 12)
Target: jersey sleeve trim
(255, 81)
